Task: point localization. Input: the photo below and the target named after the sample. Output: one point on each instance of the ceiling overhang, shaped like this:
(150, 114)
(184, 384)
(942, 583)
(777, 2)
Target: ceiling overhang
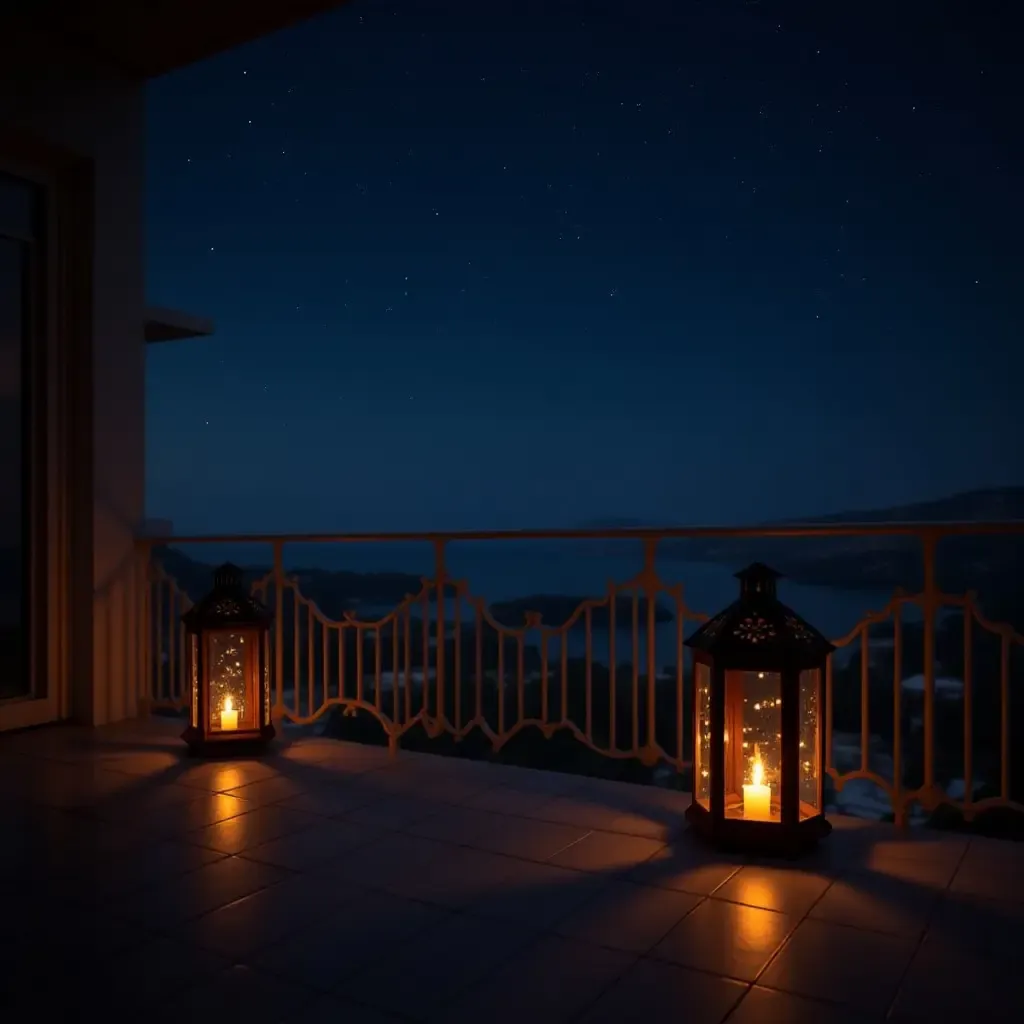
(149, 38)
(173, 325)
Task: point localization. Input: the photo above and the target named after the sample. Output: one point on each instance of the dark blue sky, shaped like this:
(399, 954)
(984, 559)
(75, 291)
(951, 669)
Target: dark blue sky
(536, 264)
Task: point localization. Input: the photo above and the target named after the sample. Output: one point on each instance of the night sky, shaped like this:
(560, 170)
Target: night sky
(544, 263)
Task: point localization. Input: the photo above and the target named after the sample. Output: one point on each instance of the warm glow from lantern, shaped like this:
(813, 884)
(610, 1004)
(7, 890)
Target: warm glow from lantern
(757, 797)
(229, 715)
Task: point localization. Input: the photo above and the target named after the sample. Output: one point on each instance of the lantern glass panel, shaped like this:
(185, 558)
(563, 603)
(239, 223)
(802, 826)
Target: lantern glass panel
(753, 747)
(702, 745)
(194, 683)
(810, 746)
(229, 668)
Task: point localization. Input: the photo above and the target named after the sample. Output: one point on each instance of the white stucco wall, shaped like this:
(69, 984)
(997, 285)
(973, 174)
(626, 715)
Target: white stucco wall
(68, 99)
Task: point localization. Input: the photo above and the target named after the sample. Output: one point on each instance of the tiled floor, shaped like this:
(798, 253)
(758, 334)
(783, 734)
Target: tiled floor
(327, 883)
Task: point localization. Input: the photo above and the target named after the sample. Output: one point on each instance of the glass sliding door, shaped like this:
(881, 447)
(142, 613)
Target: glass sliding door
(23, 676)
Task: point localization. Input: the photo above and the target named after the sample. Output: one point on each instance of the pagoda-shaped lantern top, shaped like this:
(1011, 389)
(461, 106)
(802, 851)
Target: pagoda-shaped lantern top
(758, 631)
(759, 753)
(229, 678)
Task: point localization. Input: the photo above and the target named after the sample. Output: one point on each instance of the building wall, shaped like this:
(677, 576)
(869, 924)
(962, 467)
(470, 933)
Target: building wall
(73, 102)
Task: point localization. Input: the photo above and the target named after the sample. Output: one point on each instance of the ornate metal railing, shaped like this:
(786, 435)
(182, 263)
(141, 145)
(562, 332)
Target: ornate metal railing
(440, 660)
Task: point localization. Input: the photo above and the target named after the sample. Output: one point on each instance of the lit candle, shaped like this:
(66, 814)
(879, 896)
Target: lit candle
(757, 797)
(229, 716)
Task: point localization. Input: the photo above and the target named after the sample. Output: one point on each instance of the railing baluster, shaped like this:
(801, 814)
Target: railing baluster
(501, 685)
(1004, 708)
(279, 630)
(376, 668)
(680, 687)
(296, 667)
(899, 811)
(326, 659)
(425, 655)
(407, 667)
(829, 712)
(478, 667)
(652, 671)
(565, 683)
(612, 730)
(544, 679)
(360, 662)
(968, 706)
(520, 678)
(929, 606)
(457, 651)
(311, 625)
(440, 575)
(395, 712)
(588, 655)
(342, 635)
(635, 659)
(865, 702)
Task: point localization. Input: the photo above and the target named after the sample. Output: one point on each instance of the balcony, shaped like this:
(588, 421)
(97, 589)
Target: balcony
(542, 870)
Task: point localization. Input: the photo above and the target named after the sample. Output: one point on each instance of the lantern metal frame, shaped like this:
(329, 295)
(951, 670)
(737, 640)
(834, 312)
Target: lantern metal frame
(757, 634)
(228, 610)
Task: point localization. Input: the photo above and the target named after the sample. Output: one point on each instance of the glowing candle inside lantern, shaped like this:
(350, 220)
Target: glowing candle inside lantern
(229, 715)
(757, 797)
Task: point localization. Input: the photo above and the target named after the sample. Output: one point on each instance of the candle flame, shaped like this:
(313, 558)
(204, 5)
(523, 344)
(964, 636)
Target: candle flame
(757, 768)
(228, 704)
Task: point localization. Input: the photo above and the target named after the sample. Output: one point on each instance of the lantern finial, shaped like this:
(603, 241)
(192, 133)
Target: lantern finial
(758, 580)
(227, 577)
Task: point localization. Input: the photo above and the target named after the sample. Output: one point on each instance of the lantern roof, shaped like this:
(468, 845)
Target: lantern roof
(758, 631)
(228, 605)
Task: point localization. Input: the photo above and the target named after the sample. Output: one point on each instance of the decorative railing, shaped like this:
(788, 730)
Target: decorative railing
(441, 661)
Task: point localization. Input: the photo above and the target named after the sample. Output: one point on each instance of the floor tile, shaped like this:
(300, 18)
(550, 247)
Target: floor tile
(254, 922)
(539, 895)
(364, 931)
(238, 993)
(552, 981)
(190, 815)
(726, 939)
(332, 1010)
(686, 867)
(855, 968)
(251, 829)
(170, 904)
(991, 929)
(330, 801)
(524, 837)
(623, 915)
(421, 975)
(949, 983)
(880, 903)
(314, 847)
(787, 890)
(607, 852)
(394, 812)
(269, 790)
(651, 990)
(223, 776)
(767, 1006)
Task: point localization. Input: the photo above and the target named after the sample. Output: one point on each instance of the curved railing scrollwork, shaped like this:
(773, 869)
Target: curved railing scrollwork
(441, 660)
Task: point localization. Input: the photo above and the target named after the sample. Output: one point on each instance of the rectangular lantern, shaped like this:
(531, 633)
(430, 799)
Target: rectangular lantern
(229, 698)
(758, 737)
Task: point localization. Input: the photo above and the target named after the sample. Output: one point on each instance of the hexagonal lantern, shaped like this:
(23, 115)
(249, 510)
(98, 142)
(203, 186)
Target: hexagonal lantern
(759, 744)
(229, 679)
